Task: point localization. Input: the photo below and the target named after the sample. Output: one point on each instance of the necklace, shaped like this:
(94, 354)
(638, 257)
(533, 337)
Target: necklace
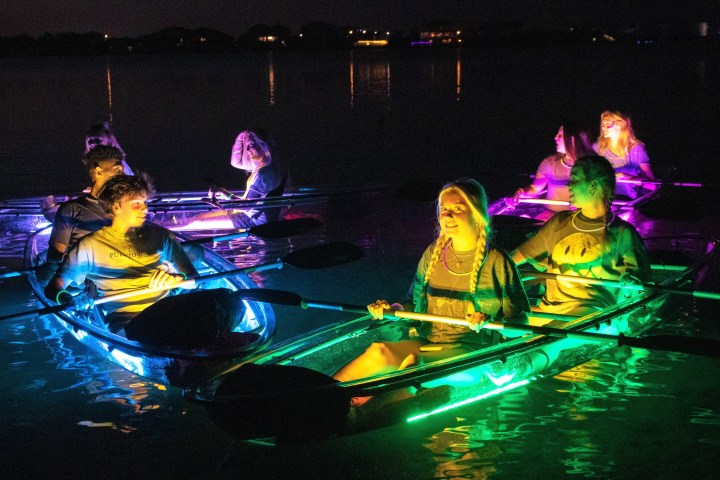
(572, 220)
(458, 260)
(562, 160)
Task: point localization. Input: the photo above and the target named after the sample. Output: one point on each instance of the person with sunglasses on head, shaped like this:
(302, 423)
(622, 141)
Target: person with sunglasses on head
(102, 134)
(625, 152)
(571, 143)
(266, 178)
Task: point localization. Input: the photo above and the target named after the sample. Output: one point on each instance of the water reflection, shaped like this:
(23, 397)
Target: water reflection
(271, 79)
(371, 78)
(458, 77)
(109, 89)
(521, 427)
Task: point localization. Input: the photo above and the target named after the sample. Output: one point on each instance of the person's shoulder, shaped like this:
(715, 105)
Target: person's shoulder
(495, 253)
(620, 225)
(150, 228)
(75, 202)
(551, 159)
(560, 218)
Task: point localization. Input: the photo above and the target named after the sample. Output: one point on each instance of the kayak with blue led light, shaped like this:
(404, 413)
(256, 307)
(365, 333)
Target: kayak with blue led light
(177, 366)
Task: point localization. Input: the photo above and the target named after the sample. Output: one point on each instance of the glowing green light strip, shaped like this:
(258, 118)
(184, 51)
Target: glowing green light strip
(491, 393)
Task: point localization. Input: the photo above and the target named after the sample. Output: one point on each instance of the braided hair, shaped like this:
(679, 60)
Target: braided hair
(474, 195)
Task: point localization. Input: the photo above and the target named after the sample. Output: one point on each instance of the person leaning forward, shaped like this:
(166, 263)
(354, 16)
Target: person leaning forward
(124, 256)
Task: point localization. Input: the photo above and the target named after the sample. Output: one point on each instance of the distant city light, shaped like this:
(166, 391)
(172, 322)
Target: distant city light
(371, 43)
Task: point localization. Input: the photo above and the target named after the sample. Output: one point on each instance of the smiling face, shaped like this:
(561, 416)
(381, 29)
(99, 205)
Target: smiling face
(130, 211)
(611, 126)
(582, 191)
(455, 217)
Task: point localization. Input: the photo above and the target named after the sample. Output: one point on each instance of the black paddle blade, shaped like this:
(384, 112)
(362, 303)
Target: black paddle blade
(288, 403)
(267, 295)
(285, 228)
(326, 255)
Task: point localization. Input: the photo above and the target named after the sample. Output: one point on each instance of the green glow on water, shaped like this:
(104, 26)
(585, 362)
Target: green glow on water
(468, 401)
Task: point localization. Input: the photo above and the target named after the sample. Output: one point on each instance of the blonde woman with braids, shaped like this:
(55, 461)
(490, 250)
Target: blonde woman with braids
(588, 242)
(625, 152)
(459, 275)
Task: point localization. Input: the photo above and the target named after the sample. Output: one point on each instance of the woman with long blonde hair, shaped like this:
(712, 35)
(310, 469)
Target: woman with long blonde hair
(625, 152)
(460, 275)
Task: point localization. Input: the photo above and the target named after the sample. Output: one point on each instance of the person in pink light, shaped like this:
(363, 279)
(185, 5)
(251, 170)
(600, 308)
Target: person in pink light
(625, 152)
(252, 154)
(553, 174)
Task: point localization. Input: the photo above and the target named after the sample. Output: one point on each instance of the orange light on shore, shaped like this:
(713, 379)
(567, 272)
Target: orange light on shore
(371, 43)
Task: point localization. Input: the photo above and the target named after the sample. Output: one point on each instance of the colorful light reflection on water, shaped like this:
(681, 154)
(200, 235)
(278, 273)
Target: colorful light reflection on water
(627, 414)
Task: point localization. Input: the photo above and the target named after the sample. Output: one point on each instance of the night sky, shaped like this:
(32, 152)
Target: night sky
(138, 17)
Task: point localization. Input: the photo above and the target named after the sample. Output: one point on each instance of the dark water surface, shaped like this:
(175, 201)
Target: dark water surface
(360, 117)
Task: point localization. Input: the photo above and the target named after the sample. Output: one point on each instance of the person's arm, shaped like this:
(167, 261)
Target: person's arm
(61, 234)
(639, 156)
(57, 290)
(515, 303)
(181, 267)
(634, 256)
(538, 186)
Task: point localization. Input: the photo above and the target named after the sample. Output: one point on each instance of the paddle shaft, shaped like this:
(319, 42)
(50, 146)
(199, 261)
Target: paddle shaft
(616, 284)
(673, 343)
(545, 201)
(189, 283)
(426, 317)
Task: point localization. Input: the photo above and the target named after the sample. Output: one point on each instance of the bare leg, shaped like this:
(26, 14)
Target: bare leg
(380, 357)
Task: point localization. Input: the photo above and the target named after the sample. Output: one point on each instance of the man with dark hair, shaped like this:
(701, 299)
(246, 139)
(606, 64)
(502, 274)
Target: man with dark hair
(124, 256)
(82, 215)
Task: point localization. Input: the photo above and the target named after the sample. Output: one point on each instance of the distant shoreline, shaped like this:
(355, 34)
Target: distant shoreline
(176, 40)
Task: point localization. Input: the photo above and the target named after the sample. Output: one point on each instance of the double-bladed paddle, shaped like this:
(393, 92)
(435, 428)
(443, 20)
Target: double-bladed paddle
(672, 343)
(267, 231)
(319, 256)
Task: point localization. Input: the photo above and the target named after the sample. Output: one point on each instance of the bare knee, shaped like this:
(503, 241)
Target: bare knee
(379, 354)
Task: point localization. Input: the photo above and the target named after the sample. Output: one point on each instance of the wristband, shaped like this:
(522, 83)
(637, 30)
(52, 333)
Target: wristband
(57, 297)
(183, 274)
(397, 306)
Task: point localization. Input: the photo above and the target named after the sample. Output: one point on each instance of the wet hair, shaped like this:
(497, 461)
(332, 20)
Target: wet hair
(474, 195)
(581, 146)
(99, 154)
(104, 132)
(238, 157)
(627, 138)
(598, 169)
(122, 186)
